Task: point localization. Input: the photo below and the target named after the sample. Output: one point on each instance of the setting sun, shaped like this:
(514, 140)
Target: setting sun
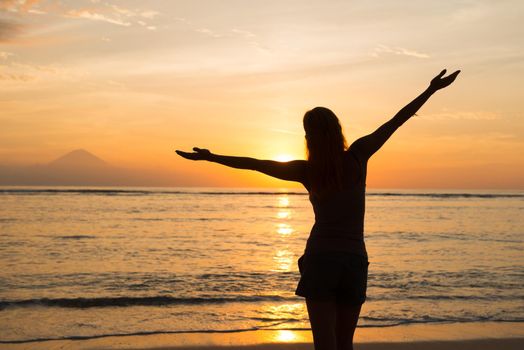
(284, 158)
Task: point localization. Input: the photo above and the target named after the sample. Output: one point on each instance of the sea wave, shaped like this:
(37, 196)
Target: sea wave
(123, 301)
(83, 303)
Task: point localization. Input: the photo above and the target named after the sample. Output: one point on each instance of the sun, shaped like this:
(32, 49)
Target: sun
(283, 158)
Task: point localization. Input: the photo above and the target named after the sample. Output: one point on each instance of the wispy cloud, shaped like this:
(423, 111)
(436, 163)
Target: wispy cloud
(20, 72)
(95, 16)
(244, 33)
(247, 36)
(18, 5)
(472, 11)
(8, 30)
(209, 32)
(144, 24)
(462, 115)
(283, 131)
(15, 76)
(384, 49)
(149, 14)
(182, 20)
(5, 55)
(95, 11)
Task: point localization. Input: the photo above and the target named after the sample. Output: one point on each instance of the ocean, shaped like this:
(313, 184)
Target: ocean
(89, 262)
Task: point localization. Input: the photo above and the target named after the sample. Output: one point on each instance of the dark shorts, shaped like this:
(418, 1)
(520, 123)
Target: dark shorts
(337, 276)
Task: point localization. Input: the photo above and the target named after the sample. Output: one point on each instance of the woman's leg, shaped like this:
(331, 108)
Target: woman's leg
(346, 322)
(322, 316)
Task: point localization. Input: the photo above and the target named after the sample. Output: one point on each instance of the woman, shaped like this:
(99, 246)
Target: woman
(334, 266)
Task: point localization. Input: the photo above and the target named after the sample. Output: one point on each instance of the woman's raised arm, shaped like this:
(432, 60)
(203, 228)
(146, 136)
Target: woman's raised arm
(366, 146)
(294, 170)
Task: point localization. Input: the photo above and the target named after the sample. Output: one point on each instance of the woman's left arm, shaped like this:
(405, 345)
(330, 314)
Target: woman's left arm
(291, 171)
(366, 146)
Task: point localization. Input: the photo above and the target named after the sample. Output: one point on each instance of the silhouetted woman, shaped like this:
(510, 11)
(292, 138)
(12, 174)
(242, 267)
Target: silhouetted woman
(334, 266)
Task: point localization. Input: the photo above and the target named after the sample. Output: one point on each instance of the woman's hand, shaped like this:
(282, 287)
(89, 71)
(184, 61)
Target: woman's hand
(439, 82)
(198, 154)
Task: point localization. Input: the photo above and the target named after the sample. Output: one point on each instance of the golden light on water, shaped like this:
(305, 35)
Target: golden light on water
(283, 201)
(284, 259)
(284, 229)
(285, 336)
(288, 311)
(283, 214)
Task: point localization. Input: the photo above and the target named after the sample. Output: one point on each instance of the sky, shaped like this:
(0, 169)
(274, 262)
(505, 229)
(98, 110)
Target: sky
(131, 81)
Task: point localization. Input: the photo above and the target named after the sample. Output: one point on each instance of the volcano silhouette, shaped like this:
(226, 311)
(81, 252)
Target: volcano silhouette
(76, 159)
(83, 168)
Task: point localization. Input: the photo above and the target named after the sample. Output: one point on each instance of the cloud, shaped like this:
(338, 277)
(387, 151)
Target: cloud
(149, 14)
(97, 11)
(91, 15)
(471, 12)
(8, 30)
(384, 49)
(182, 20)
(19, 72)
(16, 77)
(18, 5)
(462, 115)
(208, 32)
(144, 24)
(284, 131)
(116, 15)
(244, 33)
(4, 55)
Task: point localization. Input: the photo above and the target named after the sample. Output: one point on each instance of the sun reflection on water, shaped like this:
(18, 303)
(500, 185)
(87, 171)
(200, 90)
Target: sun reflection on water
(283, 257)
(283, 214)
(283, 201)
(285, 336)
(284, 229)
(284, 260)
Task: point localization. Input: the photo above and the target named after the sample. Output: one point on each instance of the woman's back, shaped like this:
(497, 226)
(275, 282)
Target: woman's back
(339, 216)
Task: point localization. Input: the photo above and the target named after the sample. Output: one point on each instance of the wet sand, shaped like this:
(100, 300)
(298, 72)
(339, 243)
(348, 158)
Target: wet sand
(465, 336)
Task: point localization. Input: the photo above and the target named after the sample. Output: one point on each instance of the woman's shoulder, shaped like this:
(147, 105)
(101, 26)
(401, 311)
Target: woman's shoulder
(355, 167)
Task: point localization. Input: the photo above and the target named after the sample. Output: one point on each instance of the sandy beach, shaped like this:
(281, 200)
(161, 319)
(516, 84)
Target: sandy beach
(465, 336)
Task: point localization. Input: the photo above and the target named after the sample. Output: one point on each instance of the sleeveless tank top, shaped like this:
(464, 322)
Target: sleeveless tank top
(339, 217)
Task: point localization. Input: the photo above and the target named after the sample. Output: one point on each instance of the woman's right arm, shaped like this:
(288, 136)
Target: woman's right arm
(291, 171)
(366, 146)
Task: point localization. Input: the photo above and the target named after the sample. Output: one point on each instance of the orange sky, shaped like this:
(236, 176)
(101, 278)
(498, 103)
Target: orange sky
(130, 81)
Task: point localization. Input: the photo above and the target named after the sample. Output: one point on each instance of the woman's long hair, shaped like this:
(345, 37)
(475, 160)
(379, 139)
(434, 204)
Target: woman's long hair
(325, 150)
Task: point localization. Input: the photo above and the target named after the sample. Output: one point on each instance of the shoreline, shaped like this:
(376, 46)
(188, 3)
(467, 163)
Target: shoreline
(482, 336)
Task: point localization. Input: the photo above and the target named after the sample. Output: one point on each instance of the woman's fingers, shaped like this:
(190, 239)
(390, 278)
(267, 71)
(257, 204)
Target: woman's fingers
(440, 81)
(198, 154)
(454, 74)
(200, 150)
(450, 78)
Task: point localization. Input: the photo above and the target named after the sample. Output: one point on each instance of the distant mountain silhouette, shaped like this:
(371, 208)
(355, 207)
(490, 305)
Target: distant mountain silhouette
(78, 158)
(82, 168)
